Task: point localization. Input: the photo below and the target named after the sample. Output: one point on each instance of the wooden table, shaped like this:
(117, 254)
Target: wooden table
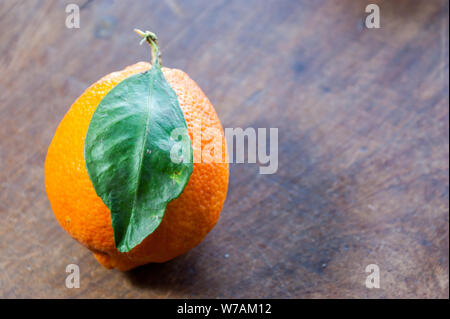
(363, 174)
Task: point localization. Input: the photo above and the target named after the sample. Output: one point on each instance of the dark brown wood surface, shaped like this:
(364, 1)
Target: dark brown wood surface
(363, 144)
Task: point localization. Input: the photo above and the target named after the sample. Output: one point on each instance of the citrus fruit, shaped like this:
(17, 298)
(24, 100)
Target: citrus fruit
(195, 205)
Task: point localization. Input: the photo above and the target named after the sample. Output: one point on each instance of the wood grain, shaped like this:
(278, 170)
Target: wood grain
(363, 144)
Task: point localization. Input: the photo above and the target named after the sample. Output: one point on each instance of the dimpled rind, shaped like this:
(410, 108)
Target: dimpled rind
(83, 214)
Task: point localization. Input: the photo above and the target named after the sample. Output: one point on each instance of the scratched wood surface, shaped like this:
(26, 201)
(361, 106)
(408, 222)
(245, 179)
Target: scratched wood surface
(363, 144)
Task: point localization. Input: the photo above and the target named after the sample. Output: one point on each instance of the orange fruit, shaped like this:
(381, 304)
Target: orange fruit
(86, 218)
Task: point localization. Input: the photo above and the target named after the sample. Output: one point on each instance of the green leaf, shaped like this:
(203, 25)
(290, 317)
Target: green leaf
(131, 149)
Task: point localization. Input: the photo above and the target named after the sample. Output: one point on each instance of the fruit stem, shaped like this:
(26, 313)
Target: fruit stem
(152, 39)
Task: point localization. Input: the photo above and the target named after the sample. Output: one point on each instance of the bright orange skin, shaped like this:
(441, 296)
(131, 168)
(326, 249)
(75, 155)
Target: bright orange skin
(83, 214)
